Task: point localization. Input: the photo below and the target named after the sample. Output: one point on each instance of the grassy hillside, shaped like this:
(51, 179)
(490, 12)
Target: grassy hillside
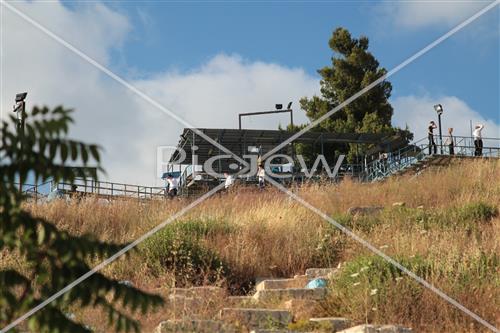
(447, 232)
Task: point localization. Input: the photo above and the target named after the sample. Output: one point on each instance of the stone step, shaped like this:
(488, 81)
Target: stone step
(201, 292)
(270, 331)
(377, 329)
(198, 326)
(302, 309)
(333, 324)
(313, 273)
(280, 295)
(240, 301)
(256, 318)
(298, 281)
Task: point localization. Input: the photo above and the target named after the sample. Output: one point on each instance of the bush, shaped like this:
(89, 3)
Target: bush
(363, 223)
(466, 217)
(369, 288)
(475, 212)
(179, 249)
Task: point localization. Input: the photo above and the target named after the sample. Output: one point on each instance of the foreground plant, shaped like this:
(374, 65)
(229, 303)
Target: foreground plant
(54, 258)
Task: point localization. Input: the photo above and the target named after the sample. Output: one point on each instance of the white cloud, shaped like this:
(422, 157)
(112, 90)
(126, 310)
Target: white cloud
(126, 126)
(417, 111)
(129, 128)
(422, 14)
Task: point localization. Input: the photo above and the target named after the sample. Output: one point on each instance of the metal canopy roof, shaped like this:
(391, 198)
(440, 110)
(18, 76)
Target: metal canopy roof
(238, 141)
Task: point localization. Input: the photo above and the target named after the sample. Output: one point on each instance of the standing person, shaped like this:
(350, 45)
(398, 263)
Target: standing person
(478, 140)
(229, 180)
(172, 186)
(261, 173)
(430, 135)
(449, 141)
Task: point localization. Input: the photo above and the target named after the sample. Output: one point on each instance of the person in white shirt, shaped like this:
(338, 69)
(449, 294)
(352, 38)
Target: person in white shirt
(172, 186)
(478, 140)
(261, 173)
(229, 180)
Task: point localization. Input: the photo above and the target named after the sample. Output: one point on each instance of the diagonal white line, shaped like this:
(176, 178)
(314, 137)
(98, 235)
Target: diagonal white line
(112, 258)
(118, 79)
(382, 78)
(383, 255)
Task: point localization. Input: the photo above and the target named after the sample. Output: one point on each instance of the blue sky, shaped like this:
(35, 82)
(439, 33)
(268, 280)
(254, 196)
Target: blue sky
(208, 61)
(181, 36)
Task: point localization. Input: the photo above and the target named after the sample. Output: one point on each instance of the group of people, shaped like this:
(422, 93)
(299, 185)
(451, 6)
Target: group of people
(261, 174)
(450, 143)
(173, 184)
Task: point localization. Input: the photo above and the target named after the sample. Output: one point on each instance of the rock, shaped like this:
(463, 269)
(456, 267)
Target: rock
(201, 292)
(377, 329)
(240, 301)
(399, 204)
(364, 210)
(180, 292)
(313, 273)
(126, 283)
(299, 281)
(333, 323)
(302, 308)
(256, 318)
(270, 331)
(196, 301)
(280, 295)
(198, 326)
(208, 292)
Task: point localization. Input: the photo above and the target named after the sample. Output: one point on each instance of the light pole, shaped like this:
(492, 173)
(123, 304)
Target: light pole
(20, 109)
(439, 110)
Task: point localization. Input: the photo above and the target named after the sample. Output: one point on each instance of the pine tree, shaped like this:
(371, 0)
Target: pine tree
(352, 69)
(54, 258)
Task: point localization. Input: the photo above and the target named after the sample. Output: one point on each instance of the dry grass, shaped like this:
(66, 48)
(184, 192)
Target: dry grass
(252, 234)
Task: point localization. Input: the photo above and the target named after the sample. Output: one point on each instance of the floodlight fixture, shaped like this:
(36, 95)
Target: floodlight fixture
(438, 108)
(279, 106)
(21, 97)
(289, 107)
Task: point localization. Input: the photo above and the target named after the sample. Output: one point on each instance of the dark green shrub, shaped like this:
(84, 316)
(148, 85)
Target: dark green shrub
(475, 212)
(364, 223)
(179, 248)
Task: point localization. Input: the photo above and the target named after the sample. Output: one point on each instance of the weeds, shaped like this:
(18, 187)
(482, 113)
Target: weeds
(447, 233)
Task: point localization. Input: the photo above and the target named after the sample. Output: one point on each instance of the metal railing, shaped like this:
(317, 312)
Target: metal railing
(392, 162)
(109, 189)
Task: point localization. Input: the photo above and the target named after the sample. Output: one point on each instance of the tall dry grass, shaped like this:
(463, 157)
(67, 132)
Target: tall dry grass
(249, 234)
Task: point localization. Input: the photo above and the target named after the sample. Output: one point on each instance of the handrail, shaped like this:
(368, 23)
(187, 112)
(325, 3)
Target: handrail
(402, 158)
(106, 188)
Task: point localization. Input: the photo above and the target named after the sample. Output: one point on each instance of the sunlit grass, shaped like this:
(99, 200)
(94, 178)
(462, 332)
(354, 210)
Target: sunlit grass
(448, 231)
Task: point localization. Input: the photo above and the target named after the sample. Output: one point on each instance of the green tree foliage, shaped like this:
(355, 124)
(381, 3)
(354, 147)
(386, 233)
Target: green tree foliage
(54, 258)
(353, 69)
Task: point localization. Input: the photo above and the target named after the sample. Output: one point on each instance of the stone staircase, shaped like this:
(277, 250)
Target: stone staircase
(275, 304)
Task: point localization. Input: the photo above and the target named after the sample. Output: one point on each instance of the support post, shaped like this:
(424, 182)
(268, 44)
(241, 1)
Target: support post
(440, 135)
(193, 153)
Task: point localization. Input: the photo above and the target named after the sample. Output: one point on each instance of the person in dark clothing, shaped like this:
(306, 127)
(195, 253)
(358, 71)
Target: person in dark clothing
(430, 135)
(449, 141)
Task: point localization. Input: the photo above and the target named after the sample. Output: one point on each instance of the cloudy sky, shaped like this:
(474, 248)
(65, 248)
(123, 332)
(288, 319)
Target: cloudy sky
(208, 61)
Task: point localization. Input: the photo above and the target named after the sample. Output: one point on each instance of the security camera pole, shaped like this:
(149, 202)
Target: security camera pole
(279, 109)
(20, 109)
